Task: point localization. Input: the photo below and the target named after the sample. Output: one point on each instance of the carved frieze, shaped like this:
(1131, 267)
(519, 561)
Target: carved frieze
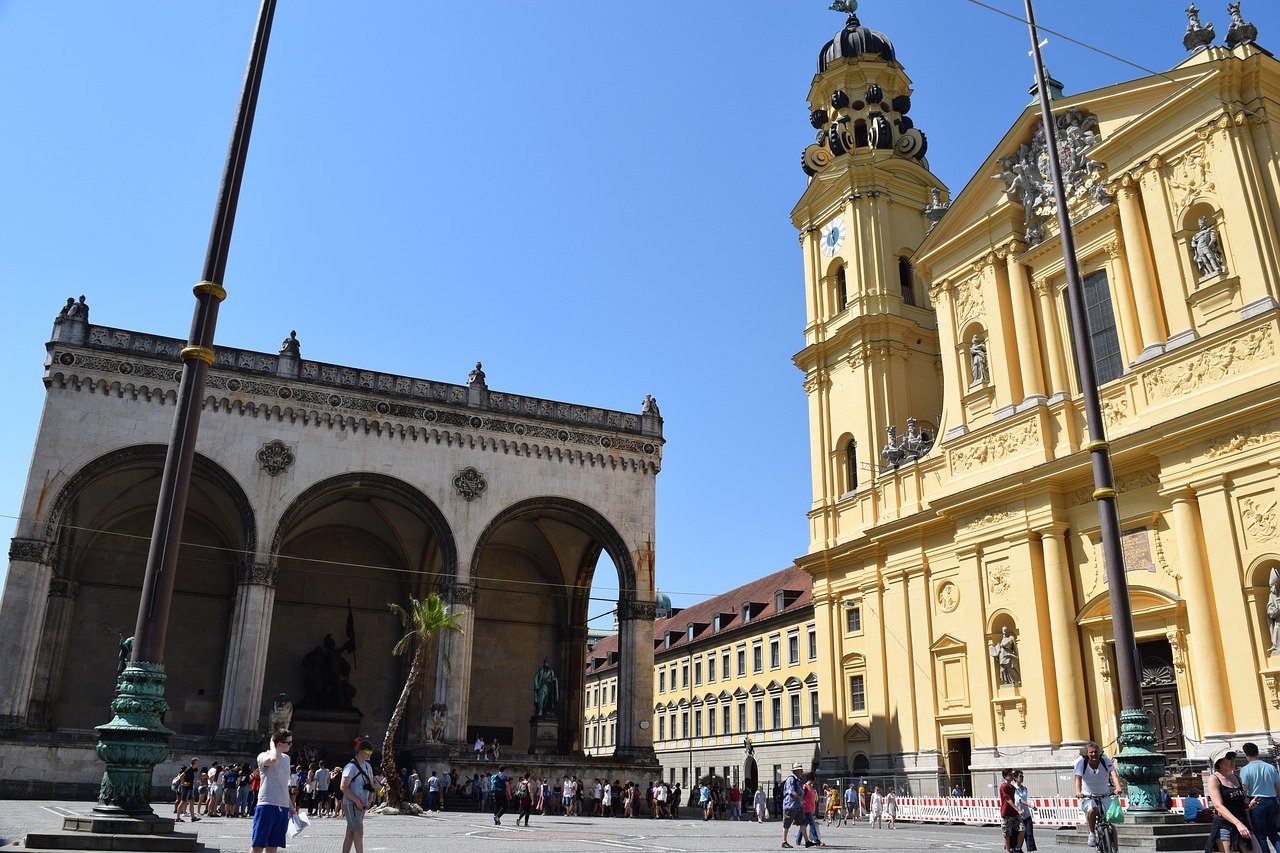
(1254, 436)
(1211, 365)
(1136, 480)
(642, 610)
(995, 447)
(1104, 662)
(990, 518)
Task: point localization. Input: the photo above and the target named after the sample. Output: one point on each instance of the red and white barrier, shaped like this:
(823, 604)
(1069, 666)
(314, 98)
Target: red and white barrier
(985, 811)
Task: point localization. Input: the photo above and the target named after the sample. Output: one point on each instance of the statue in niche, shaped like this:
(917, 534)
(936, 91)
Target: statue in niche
(1206, 250)
(546, 690)
(291, 346)
(979, 367)
(1273, 612)
(433, 722)
(649, 406)
(476, 377)
(326, 674)
(1005, 653)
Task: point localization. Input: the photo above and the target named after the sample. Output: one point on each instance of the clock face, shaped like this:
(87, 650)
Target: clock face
(832, 237)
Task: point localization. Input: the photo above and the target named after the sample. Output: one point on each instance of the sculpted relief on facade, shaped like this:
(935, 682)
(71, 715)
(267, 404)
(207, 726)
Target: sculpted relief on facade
(1211, 365)
(995, 447)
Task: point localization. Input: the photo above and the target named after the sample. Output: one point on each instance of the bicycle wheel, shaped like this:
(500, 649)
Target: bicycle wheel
(1107, 838)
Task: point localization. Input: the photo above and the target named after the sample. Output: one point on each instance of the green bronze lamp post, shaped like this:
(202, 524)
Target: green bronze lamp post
(136, 739)
(1138, 764)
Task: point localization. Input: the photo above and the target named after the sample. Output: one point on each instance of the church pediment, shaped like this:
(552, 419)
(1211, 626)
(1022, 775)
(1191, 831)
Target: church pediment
(947, 643)
(857, 732)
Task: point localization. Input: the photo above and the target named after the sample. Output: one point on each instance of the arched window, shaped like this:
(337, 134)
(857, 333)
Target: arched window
(851, 461)
(842, 290)
(907, 281)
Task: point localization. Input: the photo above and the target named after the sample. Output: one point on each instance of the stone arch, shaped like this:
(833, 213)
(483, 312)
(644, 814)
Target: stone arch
(345, 549)
(537, 558)
(99, 525)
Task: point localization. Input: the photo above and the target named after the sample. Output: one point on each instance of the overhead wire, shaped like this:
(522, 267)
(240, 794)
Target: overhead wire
(1163, 75)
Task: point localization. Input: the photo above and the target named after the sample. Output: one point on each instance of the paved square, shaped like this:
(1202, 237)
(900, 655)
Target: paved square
(462, 831)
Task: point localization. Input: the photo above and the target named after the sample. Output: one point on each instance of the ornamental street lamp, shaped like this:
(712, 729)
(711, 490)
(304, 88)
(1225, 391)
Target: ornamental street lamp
(1139, 765)
(136, 739)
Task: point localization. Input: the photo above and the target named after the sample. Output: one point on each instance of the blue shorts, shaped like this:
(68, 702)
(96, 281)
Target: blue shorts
(269, 826)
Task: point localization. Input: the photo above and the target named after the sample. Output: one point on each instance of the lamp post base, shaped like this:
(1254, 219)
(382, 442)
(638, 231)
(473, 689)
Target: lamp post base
(1139, 765)
(133, 743)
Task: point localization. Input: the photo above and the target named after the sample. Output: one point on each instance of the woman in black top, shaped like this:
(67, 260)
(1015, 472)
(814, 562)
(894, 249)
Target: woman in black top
(1231, 826)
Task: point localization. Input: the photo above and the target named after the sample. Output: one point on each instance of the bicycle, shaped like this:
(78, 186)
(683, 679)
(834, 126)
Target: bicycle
(1103, 829)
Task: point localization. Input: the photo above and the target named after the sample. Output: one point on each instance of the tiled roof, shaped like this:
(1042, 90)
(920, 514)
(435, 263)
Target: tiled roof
(760, 591)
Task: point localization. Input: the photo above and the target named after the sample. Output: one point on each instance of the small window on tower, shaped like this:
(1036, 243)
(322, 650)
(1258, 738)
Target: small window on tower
(907, 281)
(842, 290)
(860, 138)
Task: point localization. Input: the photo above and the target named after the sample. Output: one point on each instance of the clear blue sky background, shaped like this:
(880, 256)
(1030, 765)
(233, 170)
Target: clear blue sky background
(592, 198)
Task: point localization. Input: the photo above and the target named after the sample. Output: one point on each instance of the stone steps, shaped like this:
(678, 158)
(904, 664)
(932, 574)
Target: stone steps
(147, 834)
(1165, 836)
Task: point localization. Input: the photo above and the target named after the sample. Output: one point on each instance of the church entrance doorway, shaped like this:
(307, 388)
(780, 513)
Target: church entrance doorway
(1160, 698)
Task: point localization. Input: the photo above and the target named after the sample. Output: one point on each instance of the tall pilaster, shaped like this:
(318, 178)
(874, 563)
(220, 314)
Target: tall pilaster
(635, 680)
(453, 664)
(46, 680)
(1203, 643)
(1230, 612)
(26, 588)
(247, 651)
(1068, 671)
(1058, 381)
(1028, 341)
(1137, 254)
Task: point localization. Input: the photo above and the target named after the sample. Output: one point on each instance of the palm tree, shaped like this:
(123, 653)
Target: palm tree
(423, 620)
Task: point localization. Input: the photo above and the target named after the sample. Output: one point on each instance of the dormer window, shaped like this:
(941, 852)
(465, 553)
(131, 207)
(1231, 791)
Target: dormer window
(693, 631)
(746, 613)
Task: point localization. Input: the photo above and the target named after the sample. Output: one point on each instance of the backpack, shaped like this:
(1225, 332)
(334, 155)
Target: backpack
(522, 792)
(497, 784)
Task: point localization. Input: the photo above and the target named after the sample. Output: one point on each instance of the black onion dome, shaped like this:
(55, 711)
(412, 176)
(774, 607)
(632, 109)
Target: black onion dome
(855, 40)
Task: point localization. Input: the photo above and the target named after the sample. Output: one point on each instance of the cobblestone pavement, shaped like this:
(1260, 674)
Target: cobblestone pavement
(463, 831)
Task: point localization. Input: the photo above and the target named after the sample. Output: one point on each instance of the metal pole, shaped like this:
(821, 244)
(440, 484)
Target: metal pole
(1138, 763)
(136, 740)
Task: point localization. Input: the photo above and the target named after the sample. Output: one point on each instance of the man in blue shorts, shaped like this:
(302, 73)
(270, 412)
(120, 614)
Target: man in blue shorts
(275, 796)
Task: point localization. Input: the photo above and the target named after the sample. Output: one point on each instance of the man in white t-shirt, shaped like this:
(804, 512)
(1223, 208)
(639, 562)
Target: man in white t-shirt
(276, 804)
(1095, 777)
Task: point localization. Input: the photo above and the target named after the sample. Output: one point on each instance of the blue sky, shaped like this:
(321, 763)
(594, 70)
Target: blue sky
(591, 198)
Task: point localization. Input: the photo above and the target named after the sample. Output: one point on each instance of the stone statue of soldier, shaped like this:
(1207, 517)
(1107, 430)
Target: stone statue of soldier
(1006, 654)
(546, 690)
(1207, 250)
(1273, 612)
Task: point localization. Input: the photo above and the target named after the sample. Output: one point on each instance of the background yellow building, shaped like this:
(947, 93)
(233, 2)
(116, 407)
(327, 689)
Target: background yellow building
(952, 500)
(735, 685)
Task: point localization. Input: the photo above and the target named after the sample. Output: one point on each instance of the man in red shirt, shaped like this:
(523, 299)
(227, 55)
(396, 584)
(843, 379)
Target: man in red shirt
(1010, 817)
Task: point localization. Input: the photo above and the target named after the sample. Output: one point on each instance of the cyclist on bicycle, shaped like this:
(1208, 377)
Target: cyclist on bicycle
(1095, 777)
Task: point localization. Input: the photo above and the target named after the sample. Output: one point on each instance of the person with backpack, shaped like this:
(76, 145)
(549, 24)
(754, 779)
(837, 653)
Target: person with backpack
(500, 785)
(357, 795)
(524, 799)
(1095, 776)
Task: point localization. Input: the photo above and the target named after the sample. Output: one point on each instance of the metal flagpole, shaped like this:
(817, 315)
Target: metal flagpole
(1138, 763)
(136, 740)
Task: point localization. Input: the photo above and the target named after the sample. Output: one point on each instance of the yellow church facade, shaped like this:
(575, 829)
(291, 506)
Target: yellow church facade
(960, 601)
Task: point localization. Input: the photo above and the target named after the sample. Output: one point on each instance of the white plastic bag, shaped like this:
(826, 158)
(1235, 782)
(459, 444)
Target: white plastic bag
(297, 823)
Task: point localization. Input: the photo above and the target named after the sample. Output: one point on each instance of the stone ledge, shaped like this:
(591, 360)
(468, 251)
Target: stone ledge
(57, 839)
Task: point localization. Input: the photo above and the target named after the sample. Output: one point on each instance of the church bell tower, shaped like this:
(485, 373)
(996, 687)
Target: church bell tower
(871, 362)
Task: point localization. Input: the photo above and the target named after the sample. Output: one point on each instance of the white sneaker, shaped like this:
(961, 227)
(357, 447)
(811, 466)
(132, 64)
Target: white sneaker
(1093, 839)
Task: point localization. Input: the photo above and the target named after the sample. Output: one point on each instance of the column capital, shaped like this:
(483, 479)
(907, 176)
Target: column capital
(461, 593)
(1042, 286)
(250, 573)
(1012, 250)
(1052, 529)
(63, 588)
(31, 550)
(642, 610)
